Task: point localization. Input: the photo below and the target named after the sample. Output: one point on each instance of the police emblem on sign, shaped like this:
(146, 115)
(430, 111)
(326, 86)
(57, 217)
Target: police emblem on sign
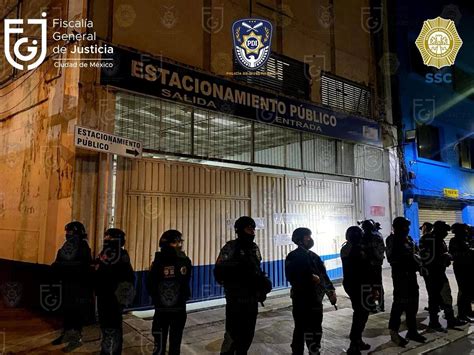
(252, 42)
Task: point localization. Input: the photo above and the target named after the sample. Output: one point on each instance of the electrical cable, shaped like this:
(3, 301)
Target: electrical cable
(25, 97)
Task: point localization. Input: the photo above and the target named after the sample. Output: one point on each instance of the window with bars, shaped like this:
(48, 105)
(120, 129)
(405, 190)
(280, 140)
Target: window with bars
(344, 95)
(176, 129)
(281, 74)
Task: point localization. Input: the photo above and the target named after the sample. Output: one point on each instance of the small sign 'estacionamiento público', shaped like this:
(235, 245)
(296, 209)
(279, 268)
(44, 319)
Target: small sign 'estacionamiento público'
(104, 142)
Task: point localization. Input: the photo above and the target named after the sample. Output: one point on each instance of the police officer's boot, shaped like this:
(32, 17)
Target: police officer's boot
(415, 336)
(436, 326)
(466, 319)
(59, 340)
(397, 339)
(74, 340)
(353, 349)
(455, 322)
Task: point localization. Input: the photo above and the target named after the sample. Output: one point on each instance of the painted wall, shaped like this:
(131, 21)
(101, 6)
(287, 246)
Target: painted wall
(182, 31)
(37, 115)
(434, 104)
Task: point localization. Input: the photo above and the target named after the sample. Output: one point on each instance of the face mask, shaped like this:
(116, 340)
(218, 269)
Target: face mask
(309, 244)
(247, 238)
(111, 244)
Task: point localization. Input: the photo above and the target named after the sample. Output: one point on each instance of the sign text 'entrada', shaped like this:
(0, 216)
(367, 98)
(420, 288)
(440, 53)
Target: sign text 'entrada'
(144, 74)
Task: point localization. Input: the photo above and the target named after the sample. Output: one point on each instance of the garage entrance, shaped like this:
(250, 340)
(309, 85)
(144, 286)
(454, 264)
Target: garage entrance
(153, 195)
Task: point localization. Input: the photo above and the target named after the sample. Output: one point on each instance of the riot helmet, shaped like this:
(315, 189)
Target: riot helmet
(302, 237)
(117, 234)
(169, 237)
(441, 229)
(75, 229)
(354, 235)
(401, 226)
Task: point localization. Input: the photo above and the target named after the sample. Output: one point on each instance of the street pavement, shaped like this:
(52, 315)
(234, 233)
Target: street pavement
(463, 346)
(205, 329)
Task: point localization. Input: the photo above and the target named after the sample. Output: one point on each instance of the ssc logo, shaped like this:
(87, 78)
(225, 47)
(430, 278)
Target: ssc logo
(438, 42)
(252, 42)
(10, 28)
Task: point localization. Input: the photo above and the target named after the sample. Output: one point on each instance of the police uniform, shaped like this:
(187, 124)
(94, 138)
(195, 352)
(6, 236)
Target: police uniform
(238, 270)
(357, 282)
(433, 251)
(307, 297)
(463, 265)
(114, 280)
(168, 285)
(72, 268)
(403, 258)
(374, 248)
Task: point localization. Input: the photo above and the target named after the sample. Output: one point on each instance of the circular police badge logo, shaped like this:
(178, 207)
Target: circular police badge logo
(438, 42)
(183, 270)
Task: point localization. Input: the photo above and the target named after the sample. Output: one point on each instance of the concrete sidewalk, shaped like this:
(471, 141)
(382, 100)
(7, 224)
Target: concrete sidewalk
(205, 329)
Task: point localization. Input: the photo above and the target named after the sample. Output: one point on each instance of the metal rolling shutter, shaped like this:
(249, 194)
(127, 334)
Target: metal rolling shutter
(431, 215)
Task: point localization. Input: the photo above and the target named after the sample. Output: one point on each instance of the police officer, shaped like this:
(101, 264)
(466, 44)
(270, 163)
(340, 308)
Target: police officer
(435, 256)
(463, 265)
(358, 283)
(238, 270)
(426, 228)
(72, 267)
(114, 285)
(374, 245)
(405, 261)
(168, 285)
(309, 283)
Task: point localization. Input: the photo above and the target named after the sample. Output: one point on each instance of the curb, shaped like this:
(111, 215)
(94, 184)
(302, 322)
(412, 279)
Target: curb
(440, 342)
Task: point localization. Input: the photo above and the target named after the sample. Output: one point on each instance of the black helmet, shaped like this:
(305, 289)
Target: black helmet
(243, 222)
(460, 228)
(428, 226)
(368, 225)
(299, 234)
(399, 222)
(115, 233)
(441, 226)
(76, 228)
(354, 234)
(170, 236)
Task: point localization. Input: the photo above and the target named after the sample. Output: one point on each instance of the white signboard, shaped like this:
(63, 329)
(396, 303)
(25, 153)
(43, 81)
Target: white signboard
(104, 142)
(282, 239)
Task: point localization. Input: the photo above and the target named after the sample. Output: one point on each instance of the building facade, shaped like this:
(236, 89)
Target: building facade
(437, 144)
(307, 142)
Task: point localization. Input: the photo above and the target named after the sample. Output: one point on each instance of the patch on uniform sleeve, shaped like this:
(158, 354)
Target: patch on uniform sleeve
(183, 270)
(168, 271)
(225, 254)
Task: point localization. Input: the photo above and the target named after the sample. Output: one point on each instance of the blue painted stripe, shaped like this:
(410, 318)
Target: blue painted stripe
(329, 257)
(204, 286)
